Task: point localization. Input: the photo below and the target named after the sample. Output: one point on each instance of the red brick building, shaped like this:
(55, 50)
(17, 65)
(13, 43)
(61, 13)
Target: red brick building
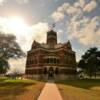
(50, 60)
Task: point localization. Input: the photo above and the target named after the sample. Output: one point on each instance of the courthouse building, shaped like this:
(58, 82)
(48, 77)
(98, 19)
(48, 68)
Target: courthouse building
(51, 59)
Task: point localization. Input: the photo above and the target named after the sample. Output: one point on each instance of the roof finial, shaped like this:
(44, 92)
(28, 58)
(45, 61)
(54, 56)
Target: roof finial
(52, 26)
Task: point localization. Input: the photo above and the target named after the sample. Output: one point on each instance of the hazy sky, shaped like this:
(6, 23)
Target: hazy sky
(76, 20)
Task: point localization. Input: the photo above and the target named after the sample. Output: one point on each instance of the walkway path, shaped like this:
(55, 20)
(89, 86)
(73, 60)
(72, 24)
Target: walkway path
(50, 92)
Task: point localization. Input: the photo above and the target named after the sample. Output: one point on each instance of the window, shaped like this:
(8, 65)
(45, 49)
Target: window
(55, 60)
(51, 60)
(47, 60)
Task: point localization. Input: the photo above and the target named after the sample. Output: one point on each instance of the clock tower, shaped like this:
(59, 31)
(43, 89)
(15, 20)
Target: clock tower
(51, 38)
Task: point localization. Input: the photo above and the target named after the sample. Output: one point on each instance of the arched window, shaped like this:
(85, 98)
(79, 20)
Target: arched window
(47, 60)
(45, 70)
(55, 60)
(56, 71)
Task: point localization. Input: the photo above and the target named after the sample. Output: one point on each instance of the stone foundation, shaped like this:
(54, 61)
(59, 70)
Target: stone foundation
(45, 77)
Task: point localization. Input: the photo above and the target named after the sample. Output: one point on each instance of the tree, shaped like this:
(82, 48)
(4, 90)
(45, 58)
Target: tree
(4, 66)
(90, 61)
(9, 48)
(81, 65)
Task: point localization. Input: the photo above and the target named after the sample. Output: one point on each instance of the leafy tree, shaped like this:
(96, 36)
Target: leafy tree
(81, 65)
(90, 61)
(4, 66)
(9, 48)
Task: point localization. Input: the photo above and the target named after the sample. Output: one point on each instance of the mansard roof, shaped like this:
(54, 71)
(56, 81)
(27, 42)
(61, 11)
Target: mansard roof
(66, 45)
(35, 44)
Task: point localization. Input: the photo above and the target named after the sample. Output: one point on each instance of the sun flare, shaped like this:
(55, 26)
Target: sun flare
(17, 25)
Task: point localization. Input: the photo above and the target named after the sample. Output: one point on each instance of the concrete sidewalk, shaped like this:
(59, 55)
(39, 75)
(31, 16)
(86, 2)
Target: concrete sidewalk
(50, 92)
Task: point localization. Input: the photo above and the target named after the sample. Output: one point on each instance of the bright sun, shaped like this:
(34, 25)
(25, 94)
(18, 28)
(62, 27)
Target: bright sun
(17, 25)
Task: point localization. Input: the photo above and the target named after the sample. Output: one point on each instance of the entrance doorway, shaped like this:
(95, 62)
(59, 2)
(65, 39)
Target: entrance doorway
(51, 73)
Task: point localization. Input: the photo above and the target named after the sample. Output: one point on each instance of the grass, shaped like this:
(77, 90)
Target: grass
(19, 89)
(80, 89)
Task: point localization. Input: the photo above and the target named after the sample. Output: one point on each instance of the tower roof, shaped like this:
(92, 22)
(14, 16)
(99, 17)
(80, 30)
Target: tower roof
(51, 32)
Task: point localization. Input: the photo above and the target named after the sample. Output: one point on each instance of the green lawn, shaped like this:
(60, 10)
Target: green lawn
(80, 89)
(19, 89)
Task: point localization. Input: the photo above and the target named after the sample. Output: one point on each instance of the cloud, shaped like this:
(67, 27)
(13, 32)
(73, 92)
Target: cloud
(18, 64)
(90, 6)
(26, 36)
(60, 31)
(36, 32)
(2, 2)
(82, 2)
(85, 29)
(3, 24)
(90, 32)
(33, 32)
(76, 9)
(39, 31)
(22, 1)
(66, 10)
(57, 16)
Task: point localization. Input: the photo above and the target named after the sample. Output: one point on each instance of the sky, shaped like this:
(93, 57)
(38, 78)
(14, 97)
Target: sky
(29, 20)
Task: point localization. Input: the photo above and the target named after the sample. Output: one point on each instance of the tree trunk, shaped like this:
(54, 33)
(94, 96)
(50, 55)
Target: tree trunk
(95, 75)
(95, 72)
(90, 74)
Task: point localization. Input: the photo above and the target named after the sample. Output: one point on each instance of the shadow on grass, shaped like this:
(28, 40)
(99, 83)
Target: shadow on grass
(82, 83)
(2, 79)
(13, 89)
